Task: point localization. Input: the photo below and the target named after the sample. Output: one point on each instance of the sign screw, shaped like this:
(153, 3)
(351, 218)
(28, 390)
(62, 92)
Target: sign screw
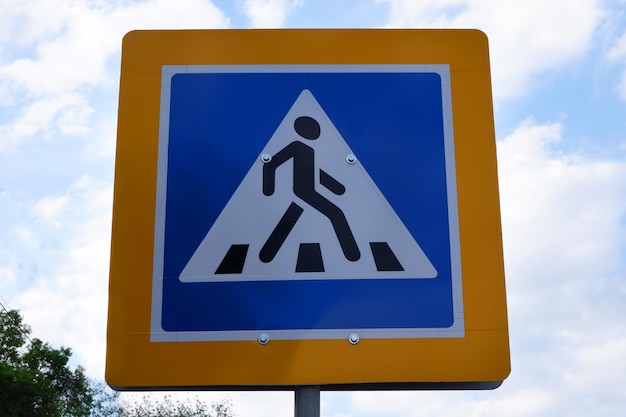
(351, 159)
(353, 339)
(266, 157)
(263, 339)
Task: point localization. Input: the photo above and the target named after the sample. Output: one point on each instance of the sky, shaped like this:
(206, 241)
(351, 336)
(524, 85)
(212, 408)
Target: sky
(559, 88)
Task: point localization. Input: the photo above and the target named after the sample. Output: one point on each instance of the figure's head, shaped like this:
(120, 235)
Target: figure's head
(307, 127)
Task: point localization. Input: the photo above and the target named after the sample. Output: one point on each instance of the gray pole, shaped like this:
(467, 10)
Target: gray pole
(308, 401)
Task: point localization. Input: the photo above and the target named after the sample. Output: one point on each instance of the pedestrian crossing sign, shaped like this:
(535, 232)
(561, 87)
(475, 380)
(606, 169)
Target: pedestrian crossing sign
(306, 206)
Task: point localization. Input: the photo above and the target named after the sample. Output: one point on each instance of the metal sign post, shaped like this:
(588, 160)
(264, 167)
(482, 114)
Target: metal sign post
(307, 401)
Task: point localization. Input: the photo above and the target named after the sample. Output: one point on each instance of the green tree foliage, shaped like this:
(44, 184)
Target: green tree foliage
(168, 407)
(108, 404)
(105, 401)
(35, 379)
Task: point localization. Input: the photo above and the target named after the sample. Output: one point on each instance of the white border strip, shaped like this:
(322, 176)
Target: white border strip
(457, 330)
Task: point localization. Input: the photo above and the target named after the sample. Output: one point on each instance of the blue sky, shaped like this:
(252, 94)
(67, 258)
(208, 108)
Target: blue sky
(559, 85)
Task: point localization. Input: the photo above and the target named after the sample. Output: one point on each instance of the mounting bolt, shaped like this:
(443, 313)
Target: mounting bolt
(353, 338)
(351, 159)
(266, 157)
(263, 339)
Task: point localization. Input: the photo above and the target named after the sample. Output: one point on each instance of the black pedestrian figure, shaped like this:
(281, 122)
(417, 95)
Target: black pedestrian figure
(304, 188)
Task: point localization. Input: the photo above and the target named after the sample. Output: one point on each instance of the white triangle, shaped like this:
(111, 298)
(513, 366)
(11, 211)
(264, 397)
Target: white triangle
(249, 217)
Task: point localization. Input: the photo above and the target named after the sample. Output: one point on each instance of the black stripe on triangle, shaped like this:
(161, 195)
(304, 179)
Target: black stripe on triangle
(233, 260)
(384, 257)
(310, 258)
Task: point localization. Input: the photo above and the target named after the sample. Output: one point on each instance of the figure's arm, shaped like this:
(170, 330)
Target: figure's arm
(331, 183)
(269, 177)
(269, 168)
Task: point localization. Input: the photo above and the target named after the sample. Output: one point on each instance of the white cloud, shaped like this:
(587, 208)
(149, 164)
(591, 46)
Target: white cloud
(64, 114)
(23, 22)
(599, 365)
(618, 53)
(66, 296)
(75, 53)
(522, 402)
(526, 38)
(68, 55)
(24, 236)
(618, 50)
(269, 13)
(564, 235)
(7, 275)
(563, 211)
(48, 209)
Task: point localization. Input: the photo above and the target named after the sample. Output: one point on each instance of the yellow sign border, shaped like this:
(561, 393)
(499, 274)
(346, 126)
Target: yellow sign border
(481, 358)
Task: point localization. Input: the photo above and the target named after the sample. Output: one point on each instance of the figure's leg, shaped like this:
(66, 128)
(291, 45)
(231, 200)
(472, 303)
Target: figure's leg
(280, 233)
(344, 234)
(340, 224)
